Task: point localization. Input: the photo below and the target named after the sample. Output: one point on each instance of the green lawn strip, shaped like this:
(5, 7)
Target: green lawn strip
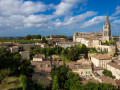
(10, 82)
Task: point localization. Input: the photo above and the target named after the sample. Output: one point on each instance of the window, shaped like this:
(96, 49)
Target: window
(81, 73)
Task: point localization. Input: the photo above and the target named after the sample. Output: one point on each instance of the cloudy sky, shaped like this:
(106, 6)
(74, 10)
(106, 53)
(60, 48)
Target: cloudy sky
(48, 17)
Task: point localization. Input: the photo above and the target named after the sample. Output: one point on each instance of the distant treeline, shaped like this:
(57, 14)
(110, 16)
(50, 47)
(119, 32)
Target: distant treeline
(58, 36)
(29, 37)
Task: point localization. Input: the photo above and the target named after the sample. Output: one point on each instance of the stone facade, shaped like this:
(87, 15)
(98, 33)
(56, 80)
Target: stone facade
(106, 30)
(25, 54)
(101, 60)
(39, 57)
(67, 44)
(90, 39)
(14, 49)
(114, 67)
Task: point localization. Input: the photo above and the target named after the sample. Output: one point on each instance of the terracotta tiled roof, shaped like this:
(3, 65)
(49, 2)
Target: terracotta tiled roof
(102, 56)
(118, 82)
(115, 64)
(76, 65)
(107, 80)
(24, 51)
(39, 56)
(91, 80)
(14, 47)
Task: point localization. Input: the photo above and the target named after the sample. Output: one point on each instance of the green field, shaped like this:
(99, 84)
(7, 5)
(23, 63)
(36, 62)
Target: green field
(10, 82)
(21, 41)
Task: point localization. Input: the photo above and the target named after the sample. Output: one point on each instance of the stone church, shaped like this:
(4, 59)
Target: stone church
(92, 39)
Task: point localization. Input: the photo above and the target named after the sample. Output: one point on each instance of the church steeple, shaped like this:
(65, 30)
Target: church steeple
(107, 20)
(106, 30)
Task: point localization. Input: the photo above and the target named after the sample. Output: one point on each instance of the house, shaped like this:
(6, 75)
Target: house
(100, 60)
(114, 67)
(25, 54)
(103, 79)
(53, 39)
(84, 70)
(25, 46)
(67, 44)
(39, 57)
(42, 45)
(110, 49)
(6, 44)
(14, 49)
(84, 61)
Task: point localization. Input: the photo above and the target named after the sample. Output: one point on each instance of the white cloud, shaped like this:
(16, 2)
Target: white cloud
(117, 21)
(79, 18)
(13, 7)
(76, 19)
(117, 11)
(37, 20)
(19, 13)
(65, 6)
(94, 21)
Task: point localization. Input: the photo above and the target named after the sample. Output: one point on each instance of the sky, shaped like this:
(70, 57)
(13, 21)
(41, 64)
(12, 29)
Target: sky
(61, 17)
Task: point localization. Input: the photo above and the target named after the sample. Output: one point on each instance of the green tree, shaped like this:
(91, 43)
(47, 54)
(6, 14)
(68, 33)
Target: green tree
(72, 55)
(73, 82)
(111, 42)
(23, 82)
(28, 37)
(40, 86)
(107, 73)
(44, 40)
(55, 84)
(60, 72)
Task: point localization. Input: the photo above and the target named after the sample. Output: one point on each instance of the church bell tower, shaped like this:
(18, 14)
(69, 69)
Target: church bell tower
(106, 30)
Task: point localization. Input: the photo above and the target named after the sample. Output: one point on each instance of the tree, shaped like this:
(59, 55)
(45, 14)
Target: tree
(92, 65)
(55, 85)
(28, 37)
(40, 86)
(73, 82)
(111, 42)
(60, 72)
(23, 82)
(98, 86)
(107, 73)
(44, 40)
(72, 55)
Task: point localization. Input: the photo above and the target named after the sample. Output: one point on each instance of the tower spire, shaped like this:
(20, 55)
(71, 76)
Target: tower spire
(107, 19)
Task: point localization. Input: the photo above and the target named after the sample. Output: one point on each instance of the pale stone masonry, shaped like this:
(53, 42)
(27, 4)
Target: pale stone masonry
(39, 57)
(25, 54)
(92, 39)
(14, 49)
(114, 67)
(101, 60)
(67, 44)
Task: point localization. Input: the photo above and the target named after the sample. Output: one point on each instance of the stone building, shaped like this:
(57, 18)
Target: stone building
(90, 39)
(106, 30)
(14, 49)
(25, 54)
(39, 57)
(67, 44)
(114, 67)
(101, 60)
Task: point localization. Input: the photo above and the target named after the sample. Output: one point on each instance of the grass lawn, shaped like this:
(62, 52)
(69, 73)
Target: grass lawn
(10, 82)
